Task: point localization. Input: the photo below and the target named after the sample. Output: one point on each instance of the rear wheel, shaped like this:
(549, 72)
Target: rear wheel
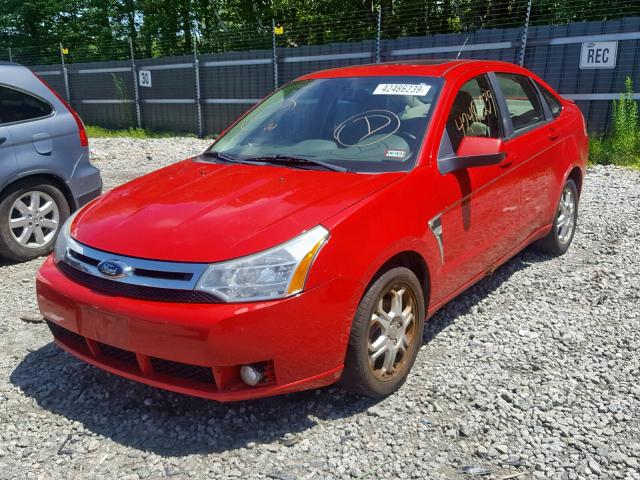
(559, 238)
(386, 334)
(31, 213)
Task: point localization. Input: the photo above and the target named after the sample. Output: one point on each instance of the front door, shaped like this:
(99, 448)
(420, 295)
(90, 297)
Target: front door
(481, 219)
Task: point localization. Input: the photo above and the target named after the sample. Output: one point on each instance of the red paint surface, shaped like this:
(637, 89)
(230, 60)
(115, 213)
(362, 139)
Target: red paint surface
(202, 212)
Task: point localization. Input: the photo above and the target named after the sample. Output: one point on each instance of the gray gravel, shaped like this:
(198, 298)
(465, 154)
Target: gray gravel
(533, 371)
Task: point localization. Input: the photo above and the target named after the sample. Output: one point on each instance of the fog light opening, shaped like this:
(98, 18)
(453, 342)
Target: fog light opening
(252, 374)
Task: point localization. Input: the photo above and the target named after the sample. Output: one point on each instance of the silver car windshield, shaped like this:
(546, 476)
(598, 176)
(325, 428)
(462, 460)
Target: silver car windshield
(363, 124)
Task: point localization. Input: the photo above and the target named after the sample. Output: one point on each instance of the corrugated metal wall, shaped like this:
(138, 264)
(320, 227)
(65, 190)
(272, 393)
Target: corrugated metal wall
(227, 84)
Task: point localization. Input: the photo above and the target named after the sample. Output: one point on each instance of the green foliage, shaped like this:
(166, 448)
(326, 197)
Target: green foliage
(95, 30)
(622, 146)
(626, 126)
(118, 84)
(99, 132)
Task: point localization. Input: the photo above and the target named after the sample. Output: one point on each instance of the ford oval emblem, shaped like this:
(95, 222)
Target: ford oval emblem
(114, 268)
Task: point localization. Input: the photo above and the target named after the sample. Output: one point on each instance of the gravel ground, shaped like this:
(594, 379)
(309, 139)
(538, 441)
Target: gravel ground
(532, 373)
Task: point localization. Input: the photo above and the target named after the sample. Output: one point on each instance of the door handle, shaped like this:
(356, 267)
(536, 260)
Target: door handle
(506, 164)
(2, 140)
(553, 135)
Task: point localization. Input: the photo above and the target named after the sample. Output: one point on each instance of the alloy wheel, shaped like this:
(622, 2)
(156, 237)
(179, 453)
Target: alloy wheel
(392, 331)
(566, 219)
(34, 219)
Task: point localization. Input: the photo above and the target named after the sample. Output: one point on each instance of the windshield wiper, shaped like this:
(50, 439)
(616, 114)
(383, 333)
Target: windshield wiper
(276, 160)
(296, 160)
(229, 159)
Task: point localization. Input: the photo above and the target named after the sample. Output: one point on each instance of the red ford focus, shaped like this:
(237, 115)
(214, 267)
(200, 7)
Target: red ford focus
(311, 241)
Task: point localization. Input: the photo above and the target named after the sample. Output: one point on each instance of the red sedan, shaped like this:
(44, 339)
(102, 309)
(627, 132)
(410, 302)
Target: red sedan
(311, 241)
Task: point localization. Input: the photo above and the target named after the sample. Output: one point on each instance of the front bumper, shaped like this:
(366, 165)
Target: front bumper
(301, 340)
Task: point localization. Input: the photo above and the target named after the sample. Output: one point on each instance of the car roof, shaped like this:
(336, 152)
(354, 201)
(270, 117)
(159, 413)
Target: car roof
(431, 68)
(12, 65)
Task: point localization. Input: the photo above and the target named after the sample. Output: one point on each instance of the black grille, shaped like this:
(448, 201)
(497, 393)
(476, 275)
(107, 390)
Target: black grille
(111, 287)
(119, 354)
(142, 272)
(185, 371)
(168, 368)
(67, 337)
(83, 258)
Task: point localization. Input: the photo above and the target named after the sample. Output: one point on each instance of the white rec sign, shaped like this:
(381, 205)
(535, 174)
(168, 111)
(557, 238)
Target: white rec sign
(598, 55)
(144, 78)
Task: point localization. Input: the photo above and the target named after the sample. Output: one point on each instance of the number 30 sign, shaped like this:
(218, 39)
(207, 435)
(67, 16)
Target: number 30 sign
(144, 78)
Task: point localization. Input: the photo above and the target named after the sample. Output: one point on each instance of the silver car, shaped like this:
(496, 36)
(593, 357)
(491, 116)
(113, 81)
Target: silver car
(45, 173)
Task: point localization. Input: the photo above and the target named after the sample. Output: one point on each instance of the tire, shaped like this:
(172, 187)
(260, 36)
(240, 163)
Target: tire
(559, 238)
(371, 377)
(48, 208)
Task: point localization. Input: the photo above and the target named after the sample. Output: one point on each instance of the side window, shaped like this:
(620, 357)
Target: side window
(474, 113)
(16, 106)
(522, 99)
(552, 101)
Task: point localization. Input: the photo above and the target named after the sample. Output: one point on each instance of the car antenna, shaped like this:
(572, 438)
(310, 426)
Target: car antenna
(462, 47)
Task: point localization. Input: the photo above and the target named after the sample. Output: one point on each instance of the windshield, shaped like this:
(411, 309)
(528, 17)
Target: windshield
(363, 124)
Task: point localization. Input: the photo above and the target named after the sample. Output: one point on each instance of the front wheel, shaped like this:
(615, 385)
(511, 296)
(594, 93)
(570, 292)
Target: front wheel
(386, 334)
(559, 238)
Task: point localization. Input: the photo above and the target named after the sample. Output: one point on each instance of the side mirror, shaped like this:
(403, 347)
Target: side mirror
(473, 152)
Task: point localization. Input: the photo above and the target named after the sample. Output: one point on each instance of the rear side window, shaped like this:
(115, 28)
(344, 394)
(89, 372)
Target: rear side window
(552, 101)
(522, 99)
(17, 106)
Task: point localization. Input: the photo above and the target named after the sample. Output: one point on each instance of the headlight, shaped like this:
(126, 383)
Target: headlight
(62, 242)
(275, 273)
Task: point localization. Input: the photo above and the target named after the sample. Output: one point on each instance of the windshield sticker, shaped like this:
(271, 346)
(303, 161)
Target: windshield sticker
(402, 89)
(399, 154)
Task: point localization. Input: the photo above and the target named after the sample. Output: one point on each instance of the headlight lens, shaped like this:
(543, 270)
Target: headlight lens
(62, 242)
(275, 273)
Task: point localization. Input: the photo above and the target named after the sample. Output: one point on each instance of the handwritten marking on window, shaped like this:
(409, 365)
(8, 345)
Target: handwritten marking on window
(381, 122)
(472, 114)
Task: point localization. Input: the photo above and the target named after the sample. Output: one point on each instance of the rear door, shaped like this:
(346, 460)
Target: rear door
(534, 138)
(481, 218)
(26, 117)
(8, 165)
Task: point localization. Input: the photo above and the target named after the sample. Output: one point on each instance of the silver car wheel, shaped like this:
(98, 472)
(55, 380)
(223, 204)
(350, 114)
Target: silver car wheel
(566, 219)
(34, 219)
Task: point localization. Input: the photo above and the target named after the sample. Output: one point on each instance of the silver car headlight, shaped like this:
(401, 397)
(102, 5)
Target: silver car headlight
(63, 240)
(275, 273)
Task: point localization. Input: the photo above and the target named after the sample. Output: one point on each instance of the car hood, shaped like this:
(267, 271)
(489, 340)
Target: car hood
(197, 211)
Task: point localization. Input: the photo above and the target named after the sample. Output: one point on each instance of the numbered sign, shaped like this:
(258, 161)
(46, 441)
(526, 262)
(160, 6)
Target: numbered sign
(598, 55)
(144, 78)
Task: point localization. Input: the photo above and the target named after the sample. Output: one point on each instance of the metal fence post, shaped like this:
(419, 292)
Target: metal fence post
(10, 55)
(196, 69)
(136, 94)
(274, 58)
(525, 33)
(65, 76)
(378, 33)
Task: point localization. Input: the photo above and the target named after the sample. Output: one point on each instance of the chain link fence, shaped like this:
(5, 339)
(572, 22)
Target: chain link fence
(201, 83)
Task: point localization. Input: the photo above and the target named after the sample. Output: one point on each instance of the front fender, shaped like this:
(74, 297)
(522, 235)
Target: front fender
(370, 233)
